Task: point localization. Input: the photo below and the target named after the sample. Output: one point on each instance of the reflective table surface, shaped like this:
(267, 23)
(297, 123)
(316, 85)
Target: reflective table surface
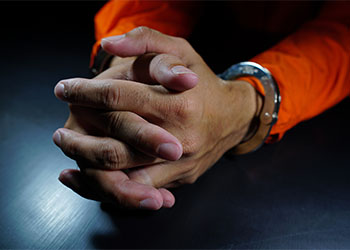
(292, 194)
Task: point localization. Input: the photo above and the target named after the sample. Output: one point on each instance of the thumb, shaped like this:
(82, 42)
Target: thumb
(172, 52)
(144, 40)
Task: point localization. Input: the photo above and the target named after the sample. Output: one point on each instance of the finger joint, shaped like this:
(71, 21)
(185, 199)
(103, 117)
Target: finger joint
(110, 157)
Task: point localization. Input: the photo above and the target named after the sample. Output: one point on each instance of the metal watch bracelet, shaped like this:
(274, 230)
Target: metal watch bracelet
(269, 111)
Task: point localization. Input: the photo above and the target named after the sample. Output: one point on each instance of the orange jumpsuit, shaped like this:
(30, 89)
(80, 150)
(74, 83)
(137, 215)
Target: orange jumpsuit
(311, 66)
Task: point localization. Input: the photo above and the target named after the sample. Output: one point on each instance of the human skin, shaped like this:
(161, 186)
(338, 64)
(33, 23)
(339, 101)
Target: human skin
(111, 120)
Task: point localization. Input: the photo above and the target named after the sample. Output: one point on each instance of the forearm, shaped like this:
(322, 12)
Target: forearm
(311, 68)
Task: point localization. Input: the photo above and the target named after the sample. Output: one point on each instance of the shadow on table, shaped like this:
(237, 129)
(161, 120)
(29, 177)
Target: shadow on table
(266, 199)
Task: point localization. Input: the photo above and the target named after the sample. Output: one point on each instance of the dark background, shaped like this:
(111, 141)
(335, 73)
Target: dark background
(292, 194)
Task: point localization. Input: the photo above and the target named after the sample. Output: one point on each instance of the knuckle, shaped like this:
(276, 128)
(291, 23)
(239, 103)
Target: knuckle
(75, 88)
(161, 60)
(190, 109)
(141, 176)
(114, 122)
(192, 144)
(145, 100)
(142, 31)
(174, 108)
(110, 156)
(159, 64)
(165, 61)
(182, 108)
(110, 95)
(147, 33)
(140, 137)
(118, 197)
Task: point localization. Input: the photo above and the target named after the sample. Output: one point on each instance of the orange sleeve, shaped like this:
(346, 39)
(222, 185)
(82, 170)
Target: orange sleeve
(311, 67)
(174, 18)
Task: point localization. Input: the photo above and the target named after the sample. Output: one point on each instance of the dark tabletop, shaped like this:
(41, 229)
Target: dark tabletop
(292, 194)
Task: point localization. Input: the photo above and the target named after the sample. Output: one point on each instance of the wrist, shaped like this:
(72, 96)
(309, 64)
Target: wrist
(257, 106)
(243, 104)
(269, 110)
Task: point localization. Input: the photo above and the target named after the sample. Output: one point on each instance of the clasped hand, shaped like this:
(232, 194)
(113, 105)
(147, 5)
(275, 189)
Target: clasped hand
(156, 119)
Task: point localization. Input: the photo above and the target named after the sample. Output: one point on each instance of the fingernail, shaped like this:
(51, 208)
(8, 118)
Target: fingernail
(67, 179)
(112, 39)
(57, 138)
(179, 70)
(168, 203)
(60, 91)
(169, 151)
(150, 203)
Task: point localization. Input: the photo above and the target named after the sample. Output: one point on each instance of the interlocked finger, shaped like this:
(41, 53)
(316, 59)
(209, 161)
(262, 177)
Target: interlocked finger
(160, 174)
(108, 94)
(100, 153)
(134, 131)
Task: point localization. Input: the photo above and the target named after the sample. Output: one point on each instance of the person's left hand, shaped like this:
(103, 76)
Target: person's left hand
(208, 120)
(167, 70)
